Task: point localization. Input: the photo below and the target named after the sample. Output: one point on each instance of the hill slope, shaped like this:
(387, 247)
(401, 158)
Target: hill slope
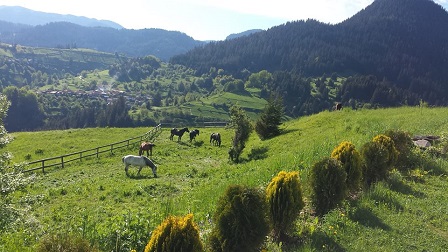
(95, 195)
(160, 43)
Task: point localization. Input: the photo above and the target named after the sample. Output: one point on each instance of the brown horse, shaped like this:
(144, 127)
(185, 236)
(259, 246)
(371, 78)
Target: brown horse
(146, 146)
(215, 138)
(178, 133)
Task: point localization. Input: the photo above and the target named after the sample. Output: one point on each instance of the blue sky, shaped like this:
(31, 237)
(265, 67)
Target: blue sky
(203, 19)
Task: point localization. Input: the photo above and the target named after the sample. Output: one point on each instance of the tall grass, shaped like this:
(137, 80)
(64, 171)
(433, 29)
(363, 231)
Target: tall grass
(94, 197)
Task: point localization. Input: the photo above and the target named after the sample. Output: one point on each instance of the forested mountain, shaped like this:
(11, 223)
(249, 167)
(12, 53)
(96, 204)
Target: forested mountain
(394, 51)
(133, 43)
(17, 14)
(241, 34)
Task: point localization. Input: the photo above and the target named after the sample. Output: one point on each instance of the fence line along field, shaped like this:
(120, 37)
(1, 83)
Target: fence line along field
(95, 199)
(79, 155)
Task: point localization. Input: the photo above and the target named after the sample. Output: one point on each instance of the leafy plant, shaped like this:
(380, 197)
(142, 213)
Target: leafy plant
(389, 145)
(243, 127)
(328, 184)
(350, 158)
(379, 156)
(175, 234)
(284, 196)
(375, 157)
(240, 219)
(403, 144)
(267, 125)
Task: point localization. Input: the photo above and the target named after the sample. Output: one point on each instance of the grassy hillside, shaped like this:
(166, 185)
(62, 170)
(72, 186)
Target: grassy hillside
(95, 198)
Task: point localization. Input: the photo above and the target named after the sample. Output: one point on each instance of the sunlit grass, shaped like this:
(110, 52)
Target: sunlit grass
(96, 198)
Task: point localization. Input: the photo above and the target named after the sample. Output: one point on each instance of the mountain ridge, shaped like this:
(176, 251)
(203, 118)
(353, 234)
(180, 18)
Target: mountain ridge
(405, 52)
(21, 15)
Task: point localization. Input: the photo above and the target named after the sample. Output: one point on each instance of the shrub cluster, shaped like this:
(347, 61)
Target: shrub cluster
(328, 184)
(240, 220)
(285, 200)
(403, 143)
(352, 163)
(379, 156)
(176, 234)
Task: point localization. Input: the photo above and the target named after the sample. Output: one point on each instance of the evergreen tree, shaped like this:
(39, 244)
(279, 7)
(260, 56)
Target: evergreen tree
(243, 127)
(268, 124)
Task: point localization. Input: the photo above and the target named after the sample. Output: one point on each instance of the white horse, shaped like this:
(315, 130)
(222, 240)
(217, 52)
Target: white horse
(139, 161)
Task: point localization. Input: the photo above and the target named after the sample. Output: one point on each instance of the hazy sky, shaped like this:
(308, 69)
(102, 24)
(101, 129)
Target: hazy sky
(202, 19)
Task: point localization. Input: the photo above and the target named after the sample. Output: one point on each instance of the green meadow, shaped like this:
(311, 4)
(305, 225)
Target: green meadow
(95, 199)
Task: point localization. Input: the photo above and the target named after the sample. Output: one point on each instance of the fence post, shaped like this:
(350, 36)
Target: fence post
(43, 166)
(62, 161)
(97, 150)
(111, 148)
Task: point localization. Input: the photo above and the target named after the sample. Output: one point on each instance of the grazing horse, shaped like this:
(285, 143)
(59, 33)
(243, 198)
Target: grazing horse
(141, 161)
(178, 133)
(146, 146)
(338, 106)
(215, 138)
(193, 134)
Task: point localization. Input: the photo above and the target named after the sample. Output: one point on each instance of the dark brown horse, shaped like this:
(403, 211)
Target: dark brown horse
(146, 146)
(178, 133)
(338, 106)
(215, 138)
(193, 134)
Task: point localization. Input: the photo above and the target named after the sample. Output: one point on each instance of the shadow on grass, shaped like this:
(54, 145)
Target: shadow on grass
(258, 153)
(366, 218)
(322, 242)
(400, 187)
(287, 131)
(141, 176)
(198, 143)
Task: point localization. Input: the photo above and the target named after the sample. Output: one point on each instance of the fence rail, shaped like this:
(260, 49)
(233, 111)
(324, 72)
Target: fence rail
(64, 159)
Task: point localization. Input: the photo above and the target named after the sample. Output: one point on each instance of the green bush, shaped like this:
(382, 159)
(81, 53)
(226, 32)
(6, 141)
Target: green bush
(403, 143)
(389, 145)
(240, 220)
(376, 162)
(64, 242)
(175, 234)
(352, 163)
(284, 196)
(328, 185)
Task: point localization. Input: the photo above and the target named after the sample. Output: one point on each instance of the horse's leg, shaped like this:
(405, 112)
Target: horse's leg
(154, 172)
(139, 169)
(126, 168)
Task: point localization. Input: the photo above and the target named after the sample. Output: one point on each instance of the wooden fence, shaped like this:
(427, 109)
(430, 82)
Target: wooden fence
(64, 159)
